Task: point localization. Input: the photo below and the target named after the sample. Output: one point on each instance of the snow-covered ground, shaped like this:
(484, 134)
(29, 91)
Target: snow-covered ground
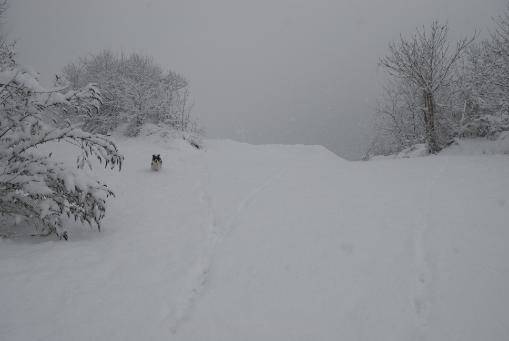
(241, 242)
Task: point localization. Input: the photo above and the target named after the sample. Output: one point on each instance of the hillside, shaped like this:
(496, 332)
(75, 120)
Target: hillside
(242, 242)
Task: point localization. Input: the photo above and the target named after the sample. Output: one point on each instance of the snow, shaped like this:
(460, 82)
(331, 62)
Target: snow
(480, 146)
(418, 150)
(242, 242)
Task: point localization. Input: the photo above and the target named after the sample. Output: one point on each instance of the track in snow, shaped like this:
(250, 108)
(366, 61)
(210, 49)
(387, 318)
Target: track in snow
(198, 273)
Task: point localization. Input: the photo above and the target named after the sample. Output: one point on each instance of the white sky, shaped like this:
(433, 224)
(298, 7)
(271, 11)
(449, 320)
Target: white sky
(262, 71)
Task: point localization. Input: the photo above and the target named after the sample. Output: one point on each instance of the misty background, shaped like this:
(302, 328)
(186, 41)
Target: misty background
(265, 71)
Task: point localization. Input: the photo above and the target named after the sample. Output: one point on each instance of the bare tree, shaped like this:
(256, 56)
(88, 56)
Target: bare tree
(426, 61)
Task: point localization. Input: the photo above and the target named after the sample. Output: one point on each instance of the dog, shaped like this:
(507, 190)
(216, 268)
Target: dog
(156, 163)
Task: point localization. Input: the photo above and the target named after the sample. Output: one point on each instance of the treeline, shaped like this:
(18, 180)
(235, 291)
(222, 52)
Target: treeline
(135, 91)
(437, 91)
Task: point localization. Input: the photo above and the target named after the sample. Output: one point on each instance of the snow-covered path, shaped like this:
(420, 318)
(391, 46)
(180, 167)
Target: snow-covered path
(244, 242)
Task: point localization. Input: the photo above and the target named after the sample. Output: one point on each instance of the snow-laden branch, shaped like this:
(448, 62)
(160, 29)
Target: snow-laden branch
(34, 187)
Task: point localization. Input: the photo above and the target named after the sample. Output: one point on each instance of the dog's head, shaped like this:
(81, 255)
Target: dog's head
(156, 158)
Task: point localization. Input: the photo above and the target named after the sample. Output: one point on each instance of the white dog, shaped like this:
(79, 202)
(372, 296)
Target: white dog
(156, 163)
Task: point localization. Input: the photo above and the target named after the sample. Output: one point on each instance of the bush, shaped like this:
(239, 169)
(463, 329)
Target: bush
(34, 187)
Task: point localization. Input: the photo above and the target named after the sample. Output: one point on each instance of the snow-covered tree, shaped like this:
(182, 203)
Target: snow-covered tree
(101, 69)
(499, 51)
(398, 122)
(483, 90)
(137, 91)
(477, 93)
(426, 62)
(34, 186)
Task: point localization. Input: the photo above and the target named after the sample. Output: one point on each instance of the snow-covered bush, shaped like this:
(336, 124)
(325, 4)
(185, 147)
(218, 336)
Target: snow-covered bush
(34, 187)
(488, 125)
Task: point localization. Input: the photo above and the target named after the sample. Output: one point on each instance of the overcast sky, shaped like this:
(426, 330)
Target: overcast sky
(261, 71)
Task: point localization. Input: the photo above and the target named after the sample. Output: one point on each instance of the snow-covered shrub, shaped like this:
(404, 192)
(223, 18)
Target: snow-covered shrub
(34, 187)
(490, 126)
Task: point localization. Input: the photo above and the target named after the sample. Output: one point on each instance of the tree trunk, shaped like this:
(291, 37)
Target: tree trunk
(429, 122)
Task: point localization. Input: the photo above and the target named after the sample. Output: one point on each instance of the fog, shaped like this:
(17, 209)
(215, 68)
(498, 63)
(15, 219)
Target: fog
(264, 71)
